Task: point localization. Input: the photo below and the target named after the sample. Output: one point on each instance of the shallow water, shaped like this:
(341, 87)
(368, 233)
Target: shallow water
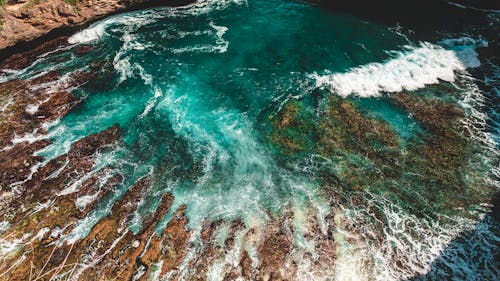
(196, 89)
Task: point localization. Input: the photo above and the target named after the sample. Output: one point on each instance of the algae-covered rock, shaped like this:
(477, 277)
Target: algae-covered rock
(293, 129)
(341, 131)
(433, 171)
(345, 127)
(444, 157)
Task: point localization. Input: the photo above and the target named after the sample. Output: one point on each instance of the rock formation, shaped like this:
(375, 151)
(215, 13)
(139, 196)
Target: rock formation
(22, 21)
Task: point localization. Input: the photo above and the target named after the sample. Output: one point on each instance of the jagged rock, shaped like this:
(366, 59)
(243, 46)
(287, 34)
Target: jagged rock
(29, 20)
(22, 60)
(272, 254)
(65, 10)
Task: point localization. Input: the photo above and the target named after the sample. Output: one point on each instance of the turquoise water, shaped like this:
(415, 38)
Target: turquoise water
(194, 91)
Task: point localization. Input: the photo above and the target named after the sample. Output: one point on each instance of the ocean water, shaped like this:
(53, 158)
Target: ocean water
(196, 89)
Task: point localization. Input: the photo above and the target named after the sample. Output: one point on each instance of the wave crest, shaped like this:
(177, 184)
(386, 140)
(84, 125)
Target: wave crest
(409, 70)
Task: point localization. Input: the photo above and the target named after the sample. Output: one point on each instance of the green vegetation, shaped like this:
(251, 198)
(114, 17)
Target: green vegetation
(72, 2)
(32, 3)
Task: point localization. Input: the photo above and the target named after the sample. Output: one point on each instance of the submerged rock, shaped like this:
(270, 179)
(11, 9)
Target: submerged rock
(439, 165)
(272, 253)
(293, 130)
(85, 49)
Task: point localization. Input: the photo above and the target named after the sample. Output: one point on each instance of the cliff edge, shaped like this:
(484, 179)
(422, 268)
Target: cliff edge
(22, 21)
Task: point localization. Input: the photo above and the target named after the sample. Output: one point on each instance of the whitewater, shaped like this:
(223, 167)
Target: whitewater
(277, 121)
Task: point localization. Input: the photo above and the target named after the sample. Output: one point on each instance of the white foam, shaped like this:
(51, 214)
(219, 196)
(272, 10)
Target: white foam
(28, 137)
(409, 70)
(221, 45)
(9, 102)
(137, 19)
(83, 201)
(465, 49)
(4, 225)
(41, 233)
(88, 35)
(202, 7)
(123, 67)
(152, 101)
(61, 84)
(219, 32)
(98, 30)
(8, 247)
(31, 108)
(121, 61)
(461, 6)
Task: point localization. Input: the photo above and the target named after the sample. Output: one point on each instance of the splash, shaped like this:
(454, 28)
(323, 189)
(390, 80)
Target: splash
(99, 30)
(196, 103)
(410, 70)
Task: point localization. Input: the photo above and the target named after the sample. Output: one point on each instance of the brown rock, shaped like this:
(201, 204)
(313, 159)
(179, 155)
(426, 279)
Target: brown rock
(273, 251)
(22, 60)
(85, 49)
(246, 265)
(29, 20)
(59, 104)
(65, 9)
(174, 240)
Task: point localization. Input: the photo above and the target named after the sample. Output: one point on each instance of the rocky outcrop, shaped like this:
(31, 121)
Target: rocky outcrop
(27, 20)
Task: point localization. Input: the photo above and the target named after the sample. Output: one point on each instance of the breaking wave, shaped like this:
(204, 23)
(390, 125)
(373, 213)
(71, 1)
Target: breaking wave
(410, 70)
(134, 20)
(99, 30)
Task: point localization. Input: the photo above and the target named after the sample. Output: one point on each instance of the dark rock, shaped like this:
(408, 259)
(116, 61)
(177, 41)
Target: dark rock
(84, 49)
(496, 207)
(22, 60)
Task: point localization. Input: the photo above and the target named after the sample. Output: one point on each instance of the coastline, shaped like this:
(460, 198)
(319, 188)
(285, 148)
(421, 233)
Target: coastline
(301, 180)
(59, 30)
(65, 27)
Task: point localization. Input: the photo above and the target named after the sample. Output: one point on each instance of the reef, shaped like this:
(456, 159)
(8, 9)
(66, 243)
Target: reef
(44, 202)
(350, 190)
(440, 163)
(42, 206)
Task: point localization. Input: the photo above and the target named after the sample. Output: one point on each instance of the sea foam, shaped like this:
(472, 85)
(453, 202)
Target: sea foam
(409, 70)
(98, 30)
(137, 19)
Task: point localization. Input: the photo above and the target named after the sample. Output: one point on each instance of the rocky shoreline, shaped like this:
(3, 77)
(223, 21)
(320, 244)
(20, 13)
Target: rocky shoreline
(28, 24)
(41, 206)
(40, 235)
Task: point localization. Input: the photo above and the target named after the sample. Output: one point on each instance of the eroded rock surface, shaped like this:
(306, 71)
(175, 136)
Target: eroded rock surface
(29, 20)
